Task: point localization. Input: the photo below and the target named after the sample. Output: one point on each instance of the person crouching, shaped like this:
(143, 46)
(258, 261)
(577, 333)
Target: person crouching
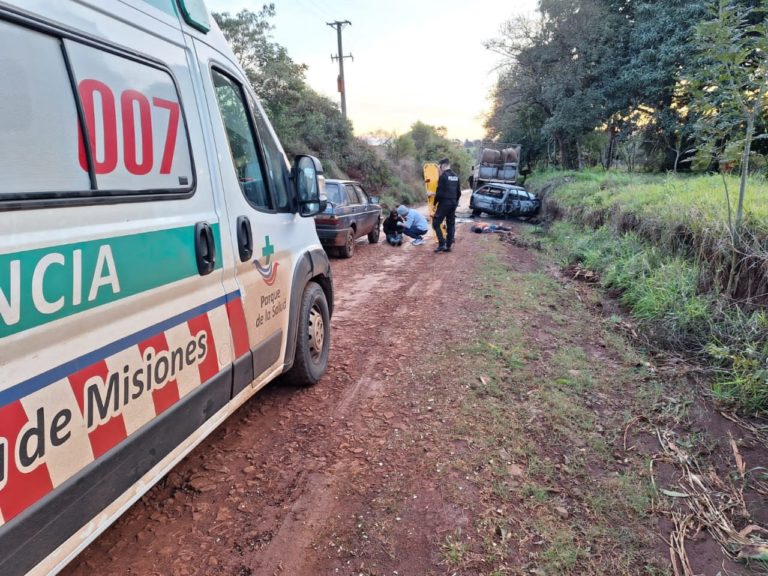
(392, 231)
(414, 225)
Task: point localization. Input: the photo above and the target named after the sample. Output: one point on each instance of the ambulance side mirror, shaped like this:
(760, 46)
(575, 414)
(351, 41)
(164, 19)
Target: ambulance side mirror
(308, 184)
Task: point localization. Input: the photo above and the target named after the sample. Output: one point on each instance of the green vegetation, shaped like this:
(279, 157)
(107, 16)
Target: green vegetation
(640, 84)
(651, 87)
(659, 243)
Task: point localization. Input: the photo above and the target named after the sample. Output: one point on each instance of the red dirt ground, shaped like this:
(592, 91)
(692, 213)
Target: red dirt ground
(286, 485)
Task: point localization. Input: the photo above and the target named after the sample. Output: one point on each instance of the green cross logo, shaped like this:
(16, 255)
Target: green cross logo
(268, 249)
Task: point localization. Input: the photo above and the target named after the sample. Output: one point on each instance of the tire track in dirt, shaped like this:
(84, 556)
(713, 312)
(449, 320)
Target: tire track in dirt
(253, 498)
(319, 494)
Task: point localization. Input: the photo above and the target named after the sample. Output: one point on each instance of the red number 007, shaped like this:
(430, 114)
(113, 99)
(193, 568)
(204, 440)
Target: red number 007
(130, 100)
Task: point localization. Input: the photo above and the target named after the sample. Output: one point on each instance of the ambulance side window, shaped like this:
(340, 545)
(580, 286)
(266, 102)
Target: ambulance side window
(278, 170)
(39, 127)
(79, 121)
(242, 140)
(136, 131)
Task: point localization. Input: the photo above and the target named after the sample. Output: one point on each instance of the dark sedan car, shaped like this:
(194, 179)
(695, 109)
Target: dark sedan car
(350, 214)
(498, 199)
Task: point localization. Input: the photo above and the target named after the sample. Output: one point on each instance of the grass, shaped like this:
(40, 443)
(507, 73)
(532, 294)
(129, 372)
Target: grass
(685, 216)
(538, 444)
(454, 549)
(662, 291)
(695, 201)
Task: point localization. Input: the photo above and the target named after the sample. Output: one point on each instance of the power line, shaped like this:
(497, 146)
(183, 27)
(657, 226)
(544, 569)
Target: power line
(339, 25)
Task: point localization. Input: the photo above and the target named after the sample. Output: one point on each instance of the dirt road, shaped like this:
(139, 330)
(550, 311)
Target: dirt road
(473, 420)
(266, 492)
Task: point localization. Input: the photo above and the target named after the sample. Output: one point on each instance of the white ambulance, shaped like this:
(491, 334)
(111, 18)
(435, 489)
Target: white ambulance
(157, 260)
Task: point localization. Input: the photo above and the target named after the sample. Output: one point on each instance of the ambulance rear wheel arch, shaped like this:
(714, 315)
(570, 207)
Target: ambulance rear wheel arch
(313, 340)
(313, 267)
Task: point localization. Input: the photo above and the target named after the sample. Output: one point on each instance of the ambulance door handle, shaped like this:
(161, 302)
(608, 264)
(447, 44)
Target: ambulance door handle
(244, 238)
(205, 248)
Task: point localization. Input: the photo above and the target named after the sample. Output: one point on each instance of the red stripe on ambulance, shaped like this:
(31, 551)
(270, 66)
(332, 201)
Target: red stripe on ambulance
(237, 325)
(168, 395)
(111, 432)
(22, 488)
(209, 366)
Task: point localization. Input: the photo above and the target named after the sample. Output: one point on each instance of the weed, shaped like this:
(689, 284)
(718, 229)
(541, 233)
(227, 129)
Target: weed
(454, 549)
(538, 493)
(563, 553)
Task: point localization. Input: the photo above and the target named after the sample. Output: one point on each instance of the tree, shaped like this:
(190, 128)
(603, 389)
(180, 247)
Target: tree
(659, 47)
(402, 147)
(432, 146)
(728, 84)
(561, 72)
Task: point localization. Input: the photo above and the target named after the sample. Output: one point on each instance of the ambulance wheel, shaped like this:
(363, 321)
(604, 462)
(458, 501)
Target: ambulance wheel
(314, 338)
(373, 235)
(348, 249)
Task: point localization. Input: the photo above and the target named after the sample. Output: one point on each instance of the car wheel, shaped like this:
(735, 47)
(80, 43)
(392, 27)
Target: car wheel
(476, 212)
(349, 245)
(314, 338)
(373, 235)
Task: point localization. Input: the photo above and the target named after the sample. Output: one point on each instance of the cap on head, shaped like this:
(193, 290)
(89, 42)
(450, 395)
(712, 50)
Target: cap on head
(402, 210)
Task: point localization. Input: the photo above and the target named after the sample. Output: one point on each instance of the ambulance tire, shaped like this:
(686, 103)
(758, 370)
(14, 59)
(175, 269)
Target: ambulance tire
(313, 341)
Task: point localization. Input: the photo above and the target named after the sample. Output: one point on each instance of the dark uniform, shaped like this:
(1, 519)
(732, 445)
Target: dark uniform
(447, 198)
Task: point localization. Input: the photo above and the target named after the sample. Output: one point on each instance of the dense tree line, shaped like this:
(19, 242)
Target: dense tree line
(599, 81)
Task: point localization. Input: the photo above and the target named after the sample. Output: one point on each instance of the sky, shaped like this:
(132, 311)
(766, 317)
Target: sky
(414, 60)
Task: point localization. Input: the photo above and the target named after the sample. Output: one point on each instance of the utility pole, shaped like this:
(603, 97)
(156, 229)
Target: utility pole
(338, 26)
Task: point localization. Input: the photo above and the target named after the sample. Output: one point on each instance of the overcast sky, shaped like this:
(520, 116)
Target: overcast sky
(413, 59)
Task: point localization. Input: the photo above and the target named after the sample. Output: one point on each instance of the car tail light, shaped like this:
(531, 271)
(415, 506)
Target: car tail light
(332, 219)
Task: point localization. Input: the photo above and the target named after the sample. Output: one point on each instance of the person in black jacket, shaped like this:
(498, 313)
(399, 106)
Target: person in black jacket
(447, 198)
(393, 228)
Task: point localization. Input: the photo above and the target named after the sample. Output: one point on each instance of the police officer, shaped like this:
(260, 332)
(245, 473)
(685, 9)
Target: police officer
(447, 198)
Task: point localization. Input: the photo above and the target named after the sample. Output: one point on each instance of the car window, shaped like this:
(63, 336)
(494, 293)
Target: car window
(361, 194)
(495, 192)
(335, 194)
(351, 194)
(242, 140)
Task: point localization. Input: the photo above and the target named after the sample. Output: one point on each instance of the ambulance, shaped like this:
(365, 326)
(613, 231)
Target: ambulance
(158, 260)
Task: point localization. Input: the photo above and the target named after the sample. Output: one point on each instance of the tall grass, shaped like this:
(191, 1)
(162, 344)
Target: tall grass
(698, 202)
(662, 243)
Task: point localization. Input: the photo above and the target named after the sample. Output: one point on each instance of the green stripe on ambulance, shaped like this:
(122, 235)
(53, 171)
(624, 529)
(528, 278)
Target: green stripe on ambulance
(43, 285)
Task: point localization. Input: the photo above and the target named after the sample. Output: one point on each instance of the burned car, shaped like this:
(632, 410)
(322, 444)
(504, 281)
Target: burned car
(498, 199)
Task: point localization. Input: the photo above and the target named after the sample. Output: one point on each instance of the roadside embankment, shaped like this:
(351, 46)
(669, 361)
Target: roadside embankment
(664, 246)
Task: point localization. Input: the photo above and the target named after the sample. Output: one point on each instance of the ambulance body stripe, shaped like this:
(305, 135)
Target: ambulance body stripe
(22, 489)
(237, 325)
(209, 367)
(70, 446)
(40, 381)
(111, 432)
(168, 395)
(186, 380)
